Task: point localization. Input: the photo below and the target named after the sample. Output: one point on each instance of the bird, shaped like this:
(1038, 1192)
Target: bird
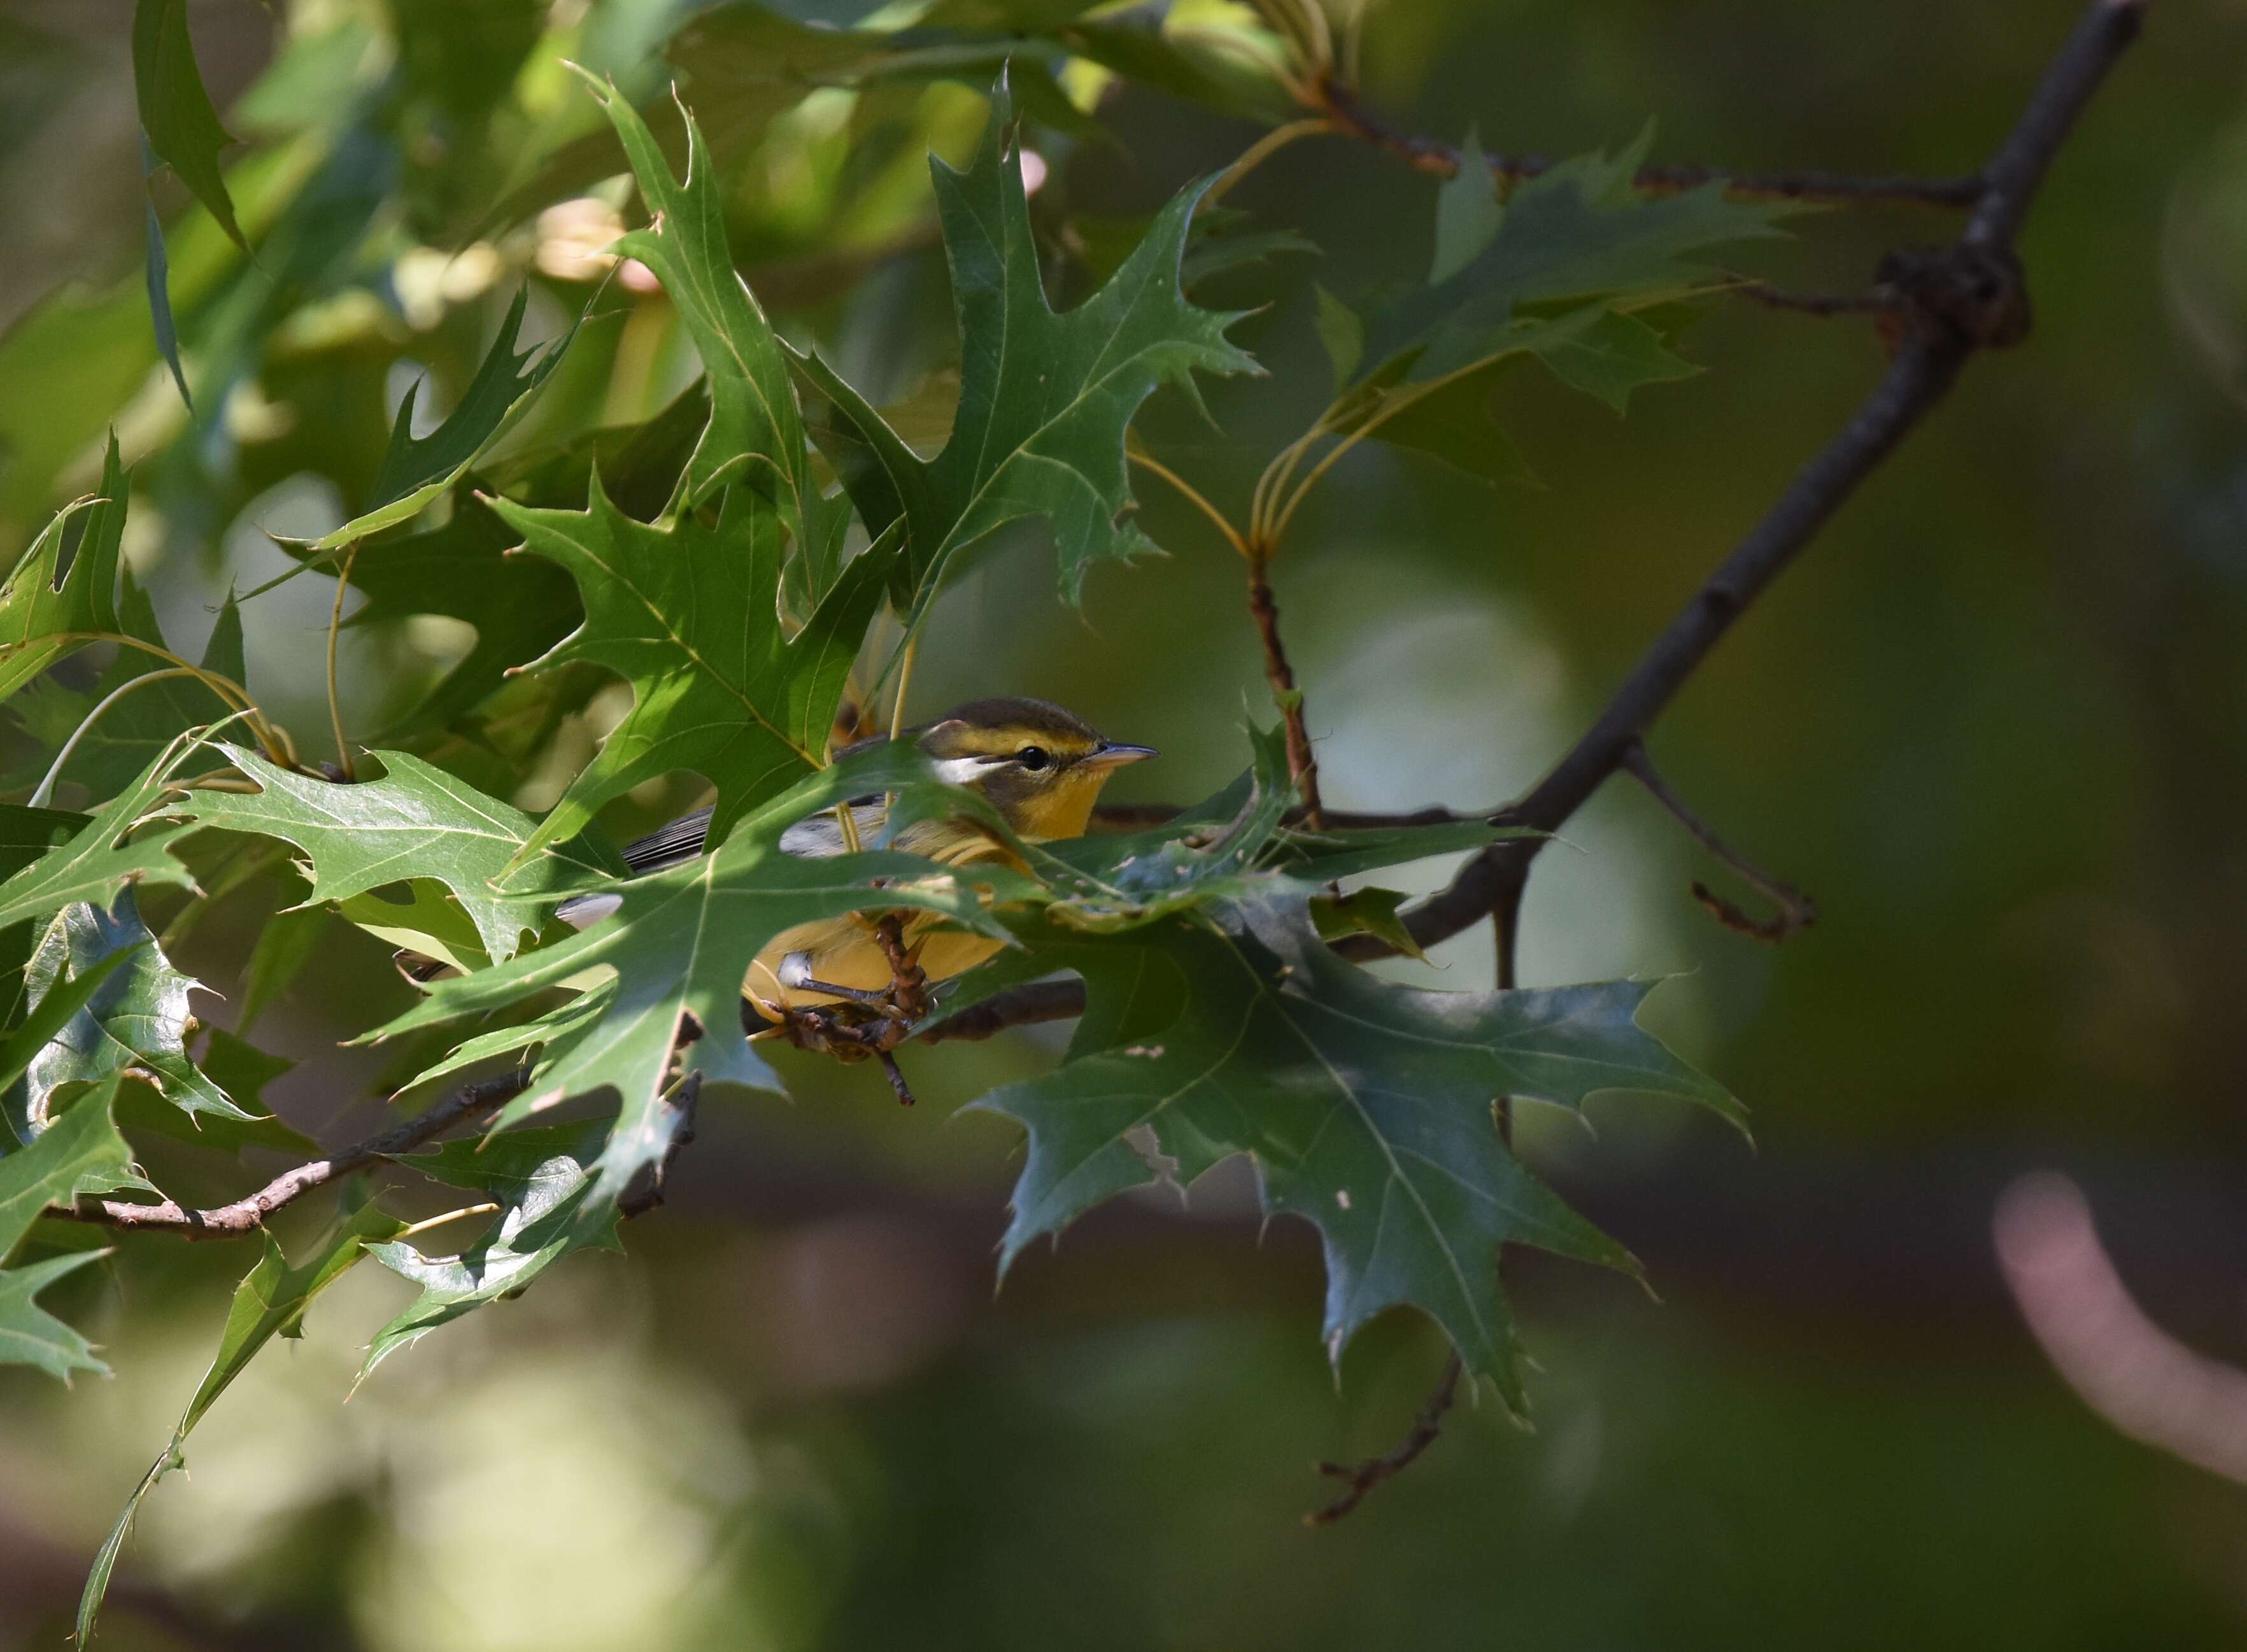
(1040, 766)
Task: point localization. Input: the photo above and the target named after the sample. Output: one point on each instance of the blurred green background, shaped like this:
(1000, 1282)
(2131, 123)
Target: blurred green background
(1996, 723)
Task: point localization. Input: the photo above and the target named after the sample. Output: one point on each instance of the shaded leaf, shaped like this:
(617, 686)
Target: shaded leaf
(176, 116)
(1467, 213)
(541, 1178)
(31, 1335)
(1366, 1106)
(49, 603)
(1574, 233)
(1365, 912)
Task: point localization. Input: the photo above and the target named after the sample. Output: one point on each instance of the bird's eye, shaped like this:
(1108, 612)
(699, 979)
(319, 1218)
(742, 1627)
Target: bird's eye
(1033, 758)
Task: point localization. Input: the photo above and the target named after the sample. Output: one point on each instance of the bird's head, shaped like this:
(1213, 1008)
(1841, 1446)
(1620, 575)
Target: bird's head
(1040, 766)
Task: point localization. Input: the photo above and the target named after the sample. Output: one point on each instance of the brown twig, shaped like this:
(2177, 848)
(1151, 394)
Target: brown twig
(1347, 113)
(247, 1215)
(1363, 1477)
(1797, 912)
(1302, 762)
(1879, 301)
(681, 1102)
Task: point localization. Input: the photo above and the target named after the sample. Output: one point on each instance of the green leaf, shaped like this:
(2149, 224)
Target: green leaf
(48, 605)
(540, 1177)
(1342, 333)
(97, 862)
(175, 112)
(755, 433)
(678, 945)
(58, 1004)
(26, 834)
(1575, 234)
(243, 1071)
(136, 1021)
(521, 606)
(1365, 912)
(270, 1302)
(31, 1335)
(136, 718)
(78, 1155)
(1608, 354)
(1044, 399)
(1467, 213)
(415, 820)
(416, 470)
(284, 947)
(1366, 1106)
(1452, 420)
(688, 614)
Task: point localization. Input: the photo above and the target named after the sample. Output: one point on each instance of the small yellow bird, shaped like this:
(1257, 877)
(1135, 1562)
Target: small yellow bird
(1040, 766)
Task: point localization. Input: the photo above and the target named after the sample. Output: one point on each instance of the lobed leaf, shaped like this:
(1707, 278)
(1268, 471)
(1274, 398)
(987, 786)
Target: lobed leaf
(1366, 1106)
(688, 613)
(1045, 399)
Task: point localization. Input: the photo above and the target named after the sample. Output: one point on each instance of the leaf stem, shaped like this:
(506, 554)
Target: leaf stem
(1262, 151)
(1194, 495)
(46, 788)
(335, 631)
(269, 737)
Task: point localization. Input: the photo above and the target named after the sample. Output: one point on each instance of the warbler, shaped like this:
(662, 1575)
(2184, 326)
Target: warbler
(1041, 767)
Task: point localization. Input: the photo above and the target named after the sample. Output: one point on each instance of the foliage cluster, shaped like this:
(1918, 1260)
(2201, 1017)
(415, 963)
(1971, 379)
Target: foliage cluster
(755, 559)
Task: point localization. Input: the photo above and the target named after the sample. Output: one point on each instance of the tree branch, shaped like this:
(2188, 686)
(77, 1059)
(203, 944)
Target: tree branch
(1940, 339)
(1797, 912)
(247, 1215)
(1341, 106)
(1302, 762)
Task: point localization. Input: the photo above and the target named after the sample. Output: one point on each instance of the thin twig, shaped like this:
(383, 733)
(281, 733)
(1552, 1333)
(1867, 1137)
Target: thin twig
(1193, 496)
(1349, 115)
(1262, 151)
(1877, 302)
(1302, 762)
(247, 1215)
(1363, 1477)
(1797, 912)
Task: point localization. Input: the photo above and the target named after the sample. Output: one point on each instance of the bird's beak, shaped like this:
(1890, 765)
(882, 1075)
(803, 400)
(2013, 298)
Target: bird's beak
(1112, 755)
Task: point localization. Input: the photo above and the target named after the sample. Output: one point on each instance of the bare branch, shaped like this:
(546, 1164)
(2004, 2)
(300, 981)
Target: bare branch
(1348, 115)
(1797, 912)
(1363, 1477)
(247, 1215)
(1302, 762)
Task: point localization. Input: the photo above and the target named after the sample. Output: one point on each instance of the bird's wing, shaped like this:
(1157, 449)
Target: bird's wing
(681, 841)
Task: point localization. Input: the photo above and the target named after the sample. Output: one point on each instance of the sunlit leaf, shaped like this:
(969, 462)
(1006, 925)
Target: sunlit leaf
(413, 821)
(175, 112)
